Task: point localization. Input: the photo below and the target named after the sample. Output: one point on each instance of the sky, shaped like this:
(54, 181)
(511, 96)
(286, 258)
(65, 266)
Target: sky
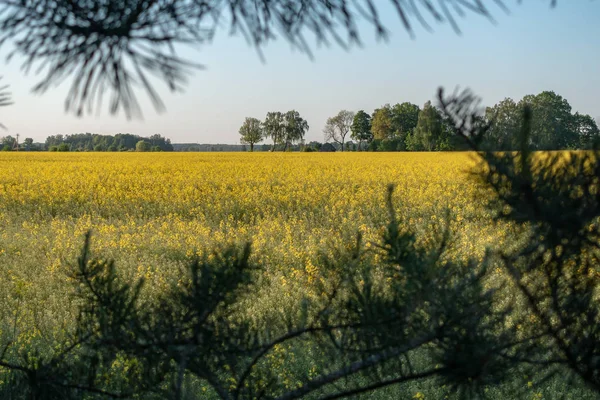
(534, 48)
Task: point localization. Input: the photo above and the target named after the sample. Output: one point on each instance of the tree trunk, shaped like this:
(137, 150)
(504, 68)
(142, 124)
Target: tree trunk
(251, 147)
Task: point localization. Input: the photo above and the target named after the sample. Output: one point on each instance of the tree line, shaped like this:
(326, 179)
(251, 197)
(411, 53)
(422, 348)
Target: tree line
(118, 142)
(284, 129)
(90, 142)
(407, 127)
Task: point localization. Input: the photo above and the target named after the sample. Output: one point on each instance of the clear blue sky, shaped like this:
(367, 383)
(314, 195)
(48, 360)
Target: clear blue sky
(535, 48)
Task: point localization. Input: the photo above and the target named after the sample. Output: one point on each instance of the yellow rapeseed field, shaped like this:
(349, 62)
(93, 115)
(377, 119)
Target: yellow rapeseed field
(151, 212)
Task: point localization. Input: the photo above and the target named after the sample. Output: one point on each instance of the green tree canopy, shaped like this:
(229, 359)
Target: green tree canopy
(251, 132)
(382, 123)
(295, 127)
(428, 133)
(361, 128)
(587, 131)
(405, 117)
(505, 120)
(552, 122)
(554, 127)
(274, 128)
(143, 146)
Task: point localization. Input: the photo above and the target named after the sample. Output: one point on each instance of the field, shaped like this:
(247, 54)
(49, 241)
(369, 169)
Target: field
(152, 212)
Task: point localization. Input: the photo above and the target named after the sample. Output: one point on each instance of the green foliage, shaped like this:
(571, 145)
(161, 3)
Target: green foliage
(63, 147)
(374, 145)
(361, 128)
(95, 142)
(295, 128)
(587, 131)
(405, 117)
(391, 144)
(327, 148)
(143, 146)
(395, 122)
(554, 127)
(428, 132)
(382, 123)
(506, 117)
(251, 132)
(274, 128)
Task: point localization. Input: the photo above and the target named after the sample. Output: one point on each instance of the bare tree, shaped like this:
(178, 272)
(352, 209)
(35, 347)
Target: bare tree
(338, 127)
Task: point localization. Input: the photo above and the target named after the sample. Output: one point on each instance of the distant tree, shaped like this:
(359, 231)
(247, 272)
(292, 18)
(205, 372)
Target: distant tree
(391, 144)
(405, 117)
(156, 149)
(163, 143)
(361, 128)
(8, 141)
(382, 123)
(63, 147)
(327, 148)
(552, 123)
(28, 143)
(428, 132)
(587, 131)
(99, 147)
(112, 148)
(374, 145)
(337, 127)
(294, 127)
(143, 146)
(314, 145)
(251, 132)
(504, 119)
(274, 128)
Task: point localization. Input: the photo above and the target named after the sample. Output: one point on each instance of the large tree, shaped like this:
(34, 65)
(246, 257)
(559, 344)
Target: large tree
(295, 127)
(504, 119)
(361, 128)
(428, 133)
(274, 128)
(382, 123)
(587, 131)
(251, 132)
(552, 122)
(553, 125)
(405, 117)
(337, 127)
